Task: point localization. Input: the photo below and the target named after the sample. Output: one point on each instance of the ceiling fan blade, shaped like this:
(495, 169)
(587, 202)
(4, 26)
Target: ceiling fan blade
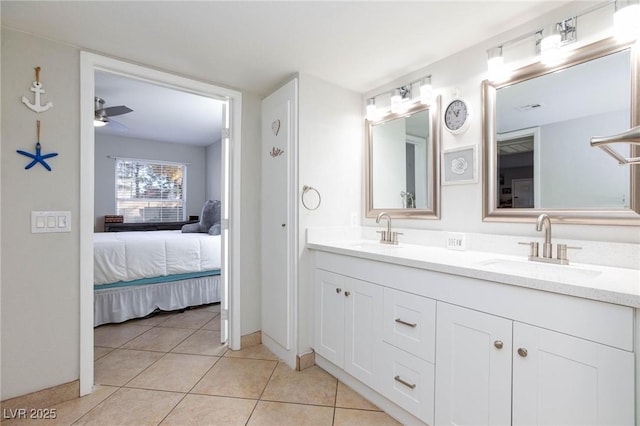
(117, 110)
(116, 125)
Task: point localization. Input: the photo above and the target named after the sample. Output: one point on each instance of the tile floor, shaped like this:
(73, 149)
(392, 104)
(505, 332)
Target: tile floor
(169, 369)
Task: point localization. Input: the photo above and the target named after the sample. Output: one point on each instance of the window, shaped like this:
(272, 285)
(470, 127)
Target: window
(150, 191)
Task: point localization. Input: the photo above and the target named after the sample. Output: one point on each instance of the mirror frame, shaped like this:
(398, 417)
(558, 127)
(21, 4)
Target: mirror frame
(435, 139)
(491, 212)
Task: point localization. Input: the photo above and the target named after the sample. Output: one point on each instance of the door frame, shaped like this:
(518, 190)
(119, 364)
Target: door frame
(89, 63)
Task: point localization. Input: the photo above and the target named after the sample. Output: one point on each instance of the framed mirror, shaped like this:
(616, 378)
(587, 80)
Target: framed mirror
(403, 164)
(536, 139)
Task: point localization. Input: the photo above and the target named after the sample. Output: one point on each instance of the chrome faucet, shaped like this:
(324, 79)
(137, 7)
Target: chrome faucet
(388, 236)
(544, 222)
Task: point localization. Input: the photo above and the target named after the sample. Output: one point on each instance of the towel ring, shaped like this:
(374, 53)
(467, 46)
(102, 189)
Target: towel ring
(306, 189)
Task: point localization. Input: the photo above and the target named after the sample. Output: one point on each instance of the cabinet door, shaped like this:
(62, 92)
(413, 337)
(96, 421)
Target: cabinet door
(562, 379)
(473, 367)
(363, 329)
(329, 316)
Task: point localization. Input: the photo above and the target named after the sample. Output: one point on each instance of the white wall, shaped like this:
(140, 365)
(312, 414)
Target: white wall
(40, 286)
(331, 158)
(390, 164)
(463, 72)
(40, 274)
(117, 146)
(584, 178)
(214, 171)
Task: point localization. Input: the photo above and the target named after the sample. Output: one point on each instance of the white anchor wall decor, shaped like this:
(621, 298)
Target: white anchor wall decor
(38, 90)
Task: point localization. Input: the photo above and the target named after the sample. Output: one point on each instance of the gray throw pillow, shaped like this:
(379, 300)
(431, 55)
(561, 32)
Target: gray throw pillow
(215, 229)
(209, 217)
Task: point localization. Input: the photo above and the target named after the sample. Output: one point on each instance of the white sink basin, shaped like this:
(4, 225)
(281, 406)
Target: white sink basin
(547, 271)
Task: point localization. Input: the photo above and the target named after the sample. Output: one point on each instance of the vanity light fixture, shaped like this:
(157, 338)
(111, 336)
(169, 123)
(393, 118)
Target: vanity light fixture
(401, 98)
(426, 90)
(626, 19)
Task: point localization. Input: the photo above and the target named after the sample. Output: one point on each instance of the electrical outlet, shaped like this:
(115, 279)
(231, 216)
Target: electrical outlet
(354, 218)
(456, 241)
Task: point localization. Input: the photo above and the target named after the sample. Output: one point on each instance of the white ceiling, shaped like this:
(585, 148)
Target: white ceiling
(254, 46)
(159, 113)
(590, 89)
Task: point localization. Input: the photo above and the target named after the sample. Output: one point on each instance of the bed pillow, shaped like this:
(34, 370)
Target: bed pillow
(209, 217)
(215, 229)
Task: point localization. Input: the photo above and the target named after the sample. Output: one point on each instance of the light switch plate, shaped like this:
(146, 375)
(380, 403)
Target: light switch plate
(456, 241)
(50, 221)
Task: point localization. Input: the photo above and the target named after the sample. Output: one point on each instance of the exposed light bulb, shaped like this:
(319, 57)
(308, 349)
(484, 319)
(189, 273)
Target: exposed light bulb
(99, 123)
(496, 70)
(550, 53)
(426, 90)
(626, 19)
(372, 111)
(396, 100)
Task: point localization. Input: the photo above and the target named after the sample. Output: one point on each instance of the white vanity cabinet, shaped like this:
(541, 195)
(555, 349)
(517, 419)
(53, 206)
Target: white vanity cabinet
(348, 324)
(442, 348)
(540, 378)
(473, 372)
(560, 379)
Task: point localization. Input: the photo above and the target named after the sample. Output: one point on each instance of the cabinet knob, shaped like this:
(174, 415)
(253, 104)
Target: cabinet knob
(522, 352)
(347, 293)
(498, 344)
(338, 290)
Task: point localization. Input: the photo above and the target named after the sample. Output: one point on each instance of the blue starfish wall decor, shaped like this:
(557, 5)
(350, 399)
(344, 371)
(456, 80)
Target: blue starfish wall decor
(37, 157)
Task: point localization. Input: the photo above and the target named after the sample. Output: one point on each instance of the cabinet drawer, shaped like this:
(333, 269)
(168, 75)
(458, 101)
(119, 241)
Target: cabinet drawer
(410, 323)
(408, 381)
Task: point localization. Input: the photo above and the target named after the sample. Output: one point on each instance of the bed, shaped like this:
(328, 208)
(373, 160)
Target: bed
(136, 273)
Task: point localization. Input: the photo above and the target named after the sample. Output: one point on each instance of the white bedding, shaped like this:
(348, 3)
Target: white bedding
(128, 256)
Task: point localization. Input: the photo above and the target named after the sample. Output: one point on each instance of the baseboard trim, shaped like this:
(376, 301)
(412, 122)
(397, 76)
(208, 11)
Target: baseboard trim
(249, 340)
(45, 398)
(305, 361)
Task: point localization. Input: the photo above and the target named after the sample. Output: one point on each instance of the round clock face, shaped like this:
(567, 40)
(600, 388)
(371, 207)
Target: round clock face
(456, 116)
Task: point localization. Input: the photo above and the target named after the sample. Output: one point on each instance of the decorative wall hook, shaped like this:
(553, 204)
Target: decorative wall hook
(276, 152)
(37, 157)
(37, 90)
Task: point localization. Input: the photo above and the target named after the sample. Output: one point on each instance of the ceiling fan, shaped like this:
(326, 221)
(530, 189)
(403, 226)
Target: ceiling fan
(102, 116)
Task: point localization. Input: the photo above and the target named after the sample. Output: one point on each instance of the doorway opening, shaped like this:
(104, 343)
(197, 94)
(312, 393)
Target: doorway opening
(229, 104)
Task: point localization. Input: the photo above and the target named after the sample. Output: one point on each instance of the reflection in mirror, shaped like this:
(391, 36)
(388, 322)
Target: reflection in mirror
(402, 162)
(537, 151)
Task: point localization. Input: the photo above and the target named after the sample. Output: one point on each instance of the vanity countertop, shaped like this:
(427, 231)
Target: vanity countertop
(602, 283)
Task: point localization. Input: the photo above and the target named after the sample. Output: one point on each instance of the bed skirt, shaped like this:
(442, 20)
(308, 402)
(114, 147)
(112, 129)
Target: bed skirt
(121, 304)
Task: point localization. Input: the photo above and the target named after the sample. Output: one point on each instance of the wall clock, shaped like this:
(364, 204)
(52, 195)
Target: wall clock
(457, 116)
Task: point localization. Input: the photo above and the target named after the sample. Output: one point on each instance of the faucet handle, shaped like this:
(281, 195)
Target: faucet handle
(533, 248)
(383, 235)
(394, 236)
(562, 251)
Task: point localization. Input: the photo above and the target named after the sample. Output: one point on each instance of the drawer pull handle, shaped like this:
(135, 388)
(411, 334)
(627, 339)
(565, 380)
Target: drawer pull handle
(347, 293)
(338, 290)
(498, 344)
(522, 352)
(407, 384)
(410, 324)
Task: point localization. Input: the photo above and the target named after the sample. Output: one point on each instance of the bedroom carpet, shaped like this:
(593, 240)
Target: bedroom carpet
(170, 369)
